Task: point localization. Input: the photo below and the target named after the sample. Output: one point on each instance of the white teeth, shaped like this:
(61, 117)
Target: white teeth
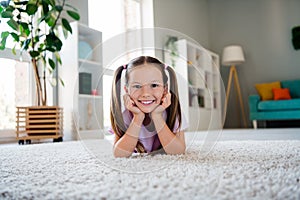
(146, 102)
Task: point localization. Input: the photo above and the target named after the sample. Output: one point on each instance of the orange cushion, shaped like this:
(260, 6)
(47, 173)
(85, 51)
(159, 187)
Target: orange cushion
(265, 89)
(281, 93)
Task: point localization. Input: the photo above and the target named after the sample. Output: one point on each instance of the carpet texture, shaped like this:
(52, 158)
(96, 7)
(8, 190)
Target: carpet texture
(70, 170)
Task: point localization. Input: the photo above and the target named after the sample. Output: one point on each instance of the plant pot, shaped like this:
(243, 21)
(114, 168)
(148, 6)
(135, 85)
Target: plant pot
(39, 122)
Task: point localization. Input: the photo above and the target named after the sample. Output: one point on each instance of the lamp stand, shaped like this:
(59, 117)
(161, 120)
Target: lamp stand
(233, 73)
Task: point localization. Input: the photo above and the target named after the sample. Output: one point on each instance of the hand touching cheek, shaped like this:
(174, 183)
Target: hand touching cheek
(165, 103)
(130, 105)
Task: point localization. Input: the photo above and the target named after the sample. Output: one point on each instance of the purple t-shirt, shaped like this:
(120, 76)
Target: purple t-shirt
(148, 138)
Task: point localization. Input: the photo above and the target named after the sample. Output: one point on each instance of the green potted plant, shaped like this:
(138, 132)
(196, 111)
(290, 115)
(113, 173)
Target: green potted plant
(171, 48)
(34, 27)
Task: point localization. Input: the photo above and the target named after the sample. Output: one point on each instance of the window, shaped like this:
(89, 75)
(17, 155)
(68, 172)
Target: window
(15, 84)
(123, 15)
(15, 90)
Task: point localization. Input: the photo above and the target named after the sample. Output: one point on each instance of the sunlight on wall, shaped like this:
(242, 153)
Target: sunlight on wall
(99, 13)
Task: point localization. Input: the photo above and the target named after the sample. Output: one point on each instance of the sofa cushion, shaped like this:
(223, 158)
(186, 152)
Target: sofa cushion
(293, 104)
(293, 86)
(265, 90)
(281, 93)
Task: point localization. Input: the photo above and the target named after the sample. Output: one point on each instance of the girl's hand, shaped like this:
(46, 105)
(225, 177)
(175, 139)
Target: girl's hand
(166, 102)
(130, 105)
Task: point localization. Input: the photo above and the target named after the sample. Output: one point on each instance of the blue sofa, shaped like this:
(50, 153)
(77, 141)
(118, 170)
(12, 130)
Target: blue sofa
(276, 109)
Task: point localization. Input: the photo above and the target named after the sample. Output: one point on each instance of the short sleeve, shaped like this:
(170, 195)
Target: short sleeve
(110, 130)
(184, 124)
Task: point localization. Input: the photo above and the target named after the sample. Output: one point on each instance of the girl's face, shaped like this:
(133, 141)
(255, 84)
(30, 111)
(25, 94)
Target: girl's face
(145, 87)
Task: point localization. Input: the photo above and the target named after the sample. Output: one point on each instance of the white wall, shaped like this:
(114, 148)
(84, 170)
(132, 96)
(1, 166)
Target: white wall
(178, 18)
(189, 17)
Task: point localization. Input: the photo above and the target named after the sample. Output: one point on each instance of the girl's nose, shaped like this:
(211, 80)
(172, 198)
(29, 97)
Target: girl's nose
(146, 90)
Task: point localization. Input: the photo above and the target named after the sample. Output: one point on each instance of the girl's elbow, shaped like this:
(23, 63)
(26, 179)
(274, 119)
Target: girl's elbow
(120, 156)
(177, 151)
(118, 153)
(181, 150)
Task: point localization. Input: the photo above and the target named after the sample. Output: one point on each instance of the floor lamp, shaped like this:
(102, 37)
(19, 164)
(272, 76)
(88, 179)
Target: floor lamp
(232, 56)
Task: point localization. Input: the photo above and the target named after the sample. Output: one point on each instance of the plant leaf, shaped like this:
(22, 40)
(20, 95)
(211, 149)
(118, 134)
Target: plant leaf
(51, 17)
(65, 32)
(73, 14)
(10, 8)
(3, 43)
(31, 9)
(66, 25)
(34, 54)
(14, 50)
(51, 63)
(59, 8)
(50, 2)
(20, 2)
(13, 24)
(7, 14)
(45, 8)
(4, 34)
(53, 43)
(50, 49)
(57, 56)
(24, 29)
(62, 82)
(53, 81)
(25, 44)
(15, 36)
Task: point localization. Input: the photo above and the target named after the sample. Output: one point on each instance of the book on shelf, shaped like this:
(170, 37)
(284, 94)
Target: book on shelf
(85, 83)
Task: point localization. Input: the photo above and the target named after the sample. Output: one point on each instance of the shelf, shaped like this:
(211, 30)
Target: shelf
(85, 31)
(90, 63)
(89, 96)
(199, 86)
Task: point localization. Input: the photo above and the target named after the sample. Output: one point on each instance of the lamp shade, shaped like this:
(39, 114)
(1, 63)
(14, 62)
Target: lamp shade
(233, 55)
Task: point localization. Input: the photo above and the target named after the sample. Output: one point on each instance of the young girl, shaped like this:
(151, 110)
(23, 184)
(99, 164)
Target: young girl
(152, 117)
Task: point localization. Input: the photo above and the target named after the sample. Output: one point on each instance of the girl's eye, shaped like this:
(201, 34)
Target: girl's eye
(154, 85)
(137, 86)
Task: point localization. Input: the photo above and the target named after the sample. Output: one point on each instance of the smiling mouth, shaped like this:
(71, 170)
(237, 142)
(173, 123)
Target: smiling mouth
(146, 102)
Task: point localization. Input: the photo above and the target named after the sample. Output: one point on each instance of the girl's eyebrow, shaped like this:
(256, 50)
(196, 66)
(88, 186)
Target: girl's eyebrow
(153, 81)
(135, 82)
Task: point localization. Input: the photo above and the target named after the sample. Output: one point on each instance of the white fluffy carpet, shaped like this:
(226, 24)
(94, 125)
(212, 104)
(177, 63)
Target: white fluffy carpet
(70, 170)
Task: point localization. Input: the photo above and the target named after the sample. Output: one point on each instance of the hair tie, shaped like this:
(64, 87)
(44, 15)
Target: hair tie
(166, 66)
(124, 66)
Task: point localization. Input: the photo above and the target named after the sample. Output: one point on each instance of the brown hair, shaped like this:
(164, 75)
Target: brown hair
(116, 116)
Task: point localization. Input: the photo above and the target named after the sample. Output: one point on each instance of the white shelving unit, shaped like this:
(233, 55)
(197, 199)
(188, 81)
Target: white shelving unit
(83, 111)
(199, 85)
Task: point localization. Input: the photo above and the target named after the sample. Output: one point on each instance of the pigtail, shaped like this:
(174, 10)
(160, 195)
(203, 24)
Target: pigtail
(174, 110)
(116, 116)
